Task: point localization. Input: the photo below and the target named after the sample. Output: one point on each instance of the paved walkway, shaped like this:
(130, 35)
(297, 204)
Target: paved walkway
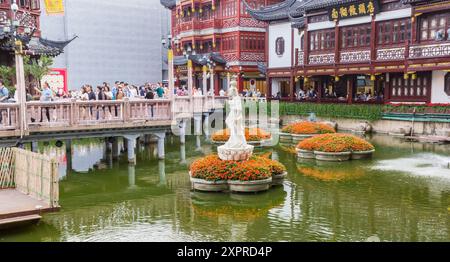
(13, 203)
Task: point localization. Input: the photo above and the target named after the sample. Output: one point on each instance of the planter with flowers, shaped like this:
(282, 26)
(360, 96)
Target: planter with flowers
(254, 136)
(210, 174)
(305, 154)
(336, 147)
(303, 130)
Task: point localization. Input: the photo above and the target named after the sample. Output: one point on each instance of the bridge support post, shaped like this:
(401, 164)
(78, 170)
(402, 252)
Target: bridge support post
(69, 154)
(182, 127)
(198, 124)
(108, 146)
(115, 148)
(34, 147)
(161, 143)
(198, 143)
(131, 148)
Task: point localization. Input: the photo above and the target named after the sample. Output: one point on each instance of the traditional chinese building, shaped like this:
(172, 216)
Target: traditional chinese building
(28, 17)
(221, 31)
(358, 51)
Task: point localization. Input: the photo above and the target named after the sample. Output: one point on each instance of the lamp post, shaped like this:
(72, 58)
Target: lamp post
(11, 28)
(188, 53)
(167, 43)
(227, 68)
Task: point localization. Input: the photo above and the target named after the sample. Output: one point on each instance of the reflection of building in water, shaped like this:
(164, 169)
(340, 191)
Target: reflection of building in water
(162, 172)
(183, 154)
(87, 155)
(132, 175)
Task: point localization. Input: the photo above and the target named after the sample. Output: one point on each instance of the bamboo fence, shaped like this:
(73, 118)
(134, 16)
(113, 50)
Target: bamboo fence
(30, 173)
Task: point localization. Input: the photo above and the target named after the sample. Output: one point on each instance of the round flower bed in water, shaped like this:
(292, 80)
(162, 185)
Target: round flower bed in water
(254, 175)
(254, 136)
(335, 147)
(303, 130)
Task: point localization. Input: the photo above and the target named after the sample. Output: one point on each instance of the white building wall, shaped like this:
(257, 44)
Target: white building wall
(297, 36)
(437, 88)
(275, 86)
(118, 40)
(276, 31)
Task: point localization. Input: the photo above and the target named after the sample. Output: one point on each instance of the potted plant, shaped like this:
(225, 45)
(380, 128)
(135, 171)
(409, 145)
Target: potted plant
(212, 174)
(254, 136)
(205, 175)
(336, 147)
(303, 130)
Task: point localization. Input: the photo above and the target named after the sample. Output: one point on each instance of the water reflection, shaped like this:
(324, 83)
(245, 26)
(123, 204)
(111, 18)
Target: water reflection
(152, 201)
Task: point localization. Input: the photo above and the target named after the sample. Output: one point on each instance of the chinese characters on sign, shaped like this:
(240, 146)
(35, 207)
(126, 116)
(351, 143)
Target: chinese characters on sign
(363, 8)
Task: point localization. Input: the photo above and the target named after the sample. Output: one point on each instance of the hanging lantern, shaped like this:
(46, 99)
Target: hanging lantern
(336, 79)
(414, 76)
(306, 79)
(200, 10)
(406, 76)
(372, 78)
(201, 47)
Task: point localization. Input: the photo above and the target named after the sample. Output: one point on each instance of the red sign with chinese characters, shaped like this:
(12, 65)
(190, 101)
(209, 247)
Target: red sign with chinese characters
(57, 79)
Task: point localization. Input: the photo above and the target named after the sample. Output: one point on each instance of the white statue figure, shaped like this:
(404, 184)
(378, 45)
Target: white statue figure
(235, 120)
(236, 148)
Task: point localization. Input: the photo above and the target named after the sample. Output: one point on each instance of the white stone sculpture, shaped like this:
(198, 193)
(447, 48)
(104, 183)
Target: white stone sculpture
(236, 148)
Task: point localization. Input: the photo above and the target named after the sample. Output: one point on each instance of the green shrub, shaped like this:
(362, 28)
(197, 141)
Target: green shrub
(369, 112)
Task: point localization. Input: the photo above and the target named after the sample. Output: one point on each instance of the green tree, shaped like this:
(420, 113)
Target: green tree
(7, 73)
(37, 68)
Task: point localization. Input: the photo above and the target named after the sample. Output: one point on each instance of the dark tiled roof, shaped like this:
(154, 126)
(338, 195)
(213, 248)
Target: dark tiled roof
(35, 45)
(271, 13)
(319, 4)
(299, 23)
(168, 3)
(200, 59)
(420, 1)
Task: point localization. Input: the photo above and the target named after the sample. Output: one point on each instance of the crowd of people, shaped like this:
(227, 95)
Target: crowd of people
(118, 91)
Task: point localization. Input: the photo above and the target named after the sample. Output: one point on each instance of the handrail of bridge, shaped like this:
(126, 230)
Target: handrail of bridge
(73, 113)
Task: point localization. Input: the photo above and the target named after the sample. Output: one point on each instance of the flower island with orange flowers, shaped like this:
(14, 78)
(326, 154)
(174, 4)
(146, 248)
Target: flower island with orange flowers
(335, 147)
(299, 131)
(211, 174)
(254, 136)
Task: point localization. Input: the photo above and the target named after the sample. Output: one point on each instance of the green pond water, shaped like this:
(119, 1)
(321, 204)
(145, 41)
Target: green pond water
(402, 194)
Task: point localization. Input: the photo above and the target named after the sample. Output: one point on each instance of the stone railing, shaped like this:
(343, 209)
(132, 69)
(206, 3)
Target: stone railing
(72, 114)
(9, 115)
(88, 113)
